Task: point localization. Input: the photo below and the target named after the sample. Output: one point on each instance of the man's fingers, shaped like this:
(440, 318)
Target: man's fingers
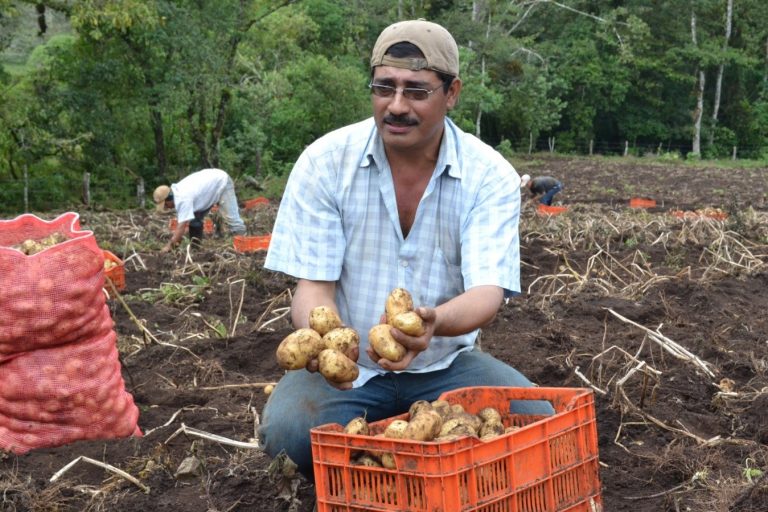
(313, 365)
(404, 363)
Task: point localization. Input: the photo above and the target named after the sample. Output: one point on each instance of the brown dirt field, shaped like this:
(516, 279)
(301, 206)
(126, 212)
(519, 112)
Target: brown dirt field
(675, 434)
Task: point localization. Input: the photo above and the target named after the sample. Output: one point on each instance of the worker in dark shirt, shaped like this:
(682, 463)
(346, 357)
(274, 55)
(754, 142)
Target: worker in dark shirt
(542, 187)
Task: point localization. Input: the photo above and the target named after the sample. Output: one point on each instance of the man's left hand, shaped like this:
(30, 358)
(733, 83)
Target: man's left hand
(413, 344)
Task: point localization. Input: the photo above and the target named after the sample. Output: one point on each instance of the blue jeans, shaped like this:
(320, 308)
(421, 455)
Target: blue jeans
(550, 194)
(304, 400)
(229, 211)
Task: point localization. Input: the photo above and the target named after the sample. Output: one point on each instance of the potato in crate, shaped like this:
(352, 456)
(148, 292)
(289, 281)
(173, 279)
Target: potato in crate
(535, 464)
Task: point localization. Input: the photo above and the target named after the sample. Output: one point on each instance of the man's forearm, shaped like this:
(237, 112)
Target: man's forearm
(310, 294)
(178, 233)
(471, 310)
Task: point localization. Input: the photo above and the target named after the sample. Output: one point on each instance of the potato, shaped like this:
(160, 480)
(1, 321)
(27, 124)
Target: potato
(491, 429)
(343, 339)
(448, 425)
(425, 426)
(323, 319)
(336, 367)
(268, 389)
(442, 407)
(457, 408)
(298, 348)
(368, 460)
(30, 247)
(409, 322)
(388, 460)
(468, 419)
(459, 431)
(357, 427)
(396, 429)
(384, 344)
(399, 301)
(489, 414)
(418, 406)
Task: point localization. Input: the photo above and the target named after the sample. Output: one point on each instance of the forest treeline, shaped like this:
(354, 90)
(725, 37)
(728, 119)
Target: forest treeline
(128, 91)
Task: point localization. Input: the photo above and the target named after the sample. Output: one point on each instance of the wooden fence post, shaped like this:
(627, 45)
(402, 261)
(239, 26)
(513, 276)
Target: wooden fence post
(551, 141)
(530, 142)
(140, 193)
(87, 188)
(26, 188)
(591, 142)
(734, 153)
(626, 147)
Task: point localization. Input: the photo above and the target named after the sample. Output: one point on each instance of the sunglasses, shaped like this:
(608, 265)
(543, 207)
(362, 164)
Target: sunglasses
(409, 93)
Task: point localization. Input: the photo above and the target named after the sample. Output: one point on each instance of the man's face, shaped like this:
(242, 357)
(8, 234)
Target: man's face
(410, 124)
(169, 204)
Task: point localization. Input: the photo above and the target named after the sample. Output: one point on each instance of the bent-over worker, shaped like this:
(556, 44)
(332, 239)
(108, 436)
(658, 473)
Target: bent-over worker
(193, 197)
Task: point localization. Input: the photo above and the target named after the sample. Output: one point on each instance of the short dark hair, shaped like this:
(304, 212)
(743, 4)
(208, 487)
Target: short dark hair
(405, 49)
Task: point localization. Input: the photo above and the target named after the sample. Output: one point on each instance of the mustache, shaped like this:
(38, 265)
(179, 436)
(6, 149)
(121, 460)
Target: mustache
(400, 120)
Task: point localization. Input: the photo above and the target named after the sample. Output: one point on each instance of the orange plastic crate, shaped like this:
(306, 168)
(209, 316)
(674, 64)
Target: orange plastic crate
(642, 202)
(208, 227)
(549, 465)
(256, 201)
(116, 274)
(251, 243)
(543, 209)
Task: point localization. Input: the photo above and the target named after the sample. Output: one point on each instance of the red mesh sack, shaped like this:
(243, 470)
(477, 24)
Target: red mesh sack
(52, 297)
(59, 367)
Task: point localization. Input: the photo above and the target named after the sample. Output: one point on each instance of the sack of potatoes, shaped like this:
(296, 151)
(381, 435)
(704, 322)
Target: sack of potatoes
(327, 340)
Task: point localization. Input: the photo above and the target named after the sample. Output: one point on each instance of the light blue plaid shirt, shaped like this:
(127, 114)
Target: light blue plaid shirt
(338, 221)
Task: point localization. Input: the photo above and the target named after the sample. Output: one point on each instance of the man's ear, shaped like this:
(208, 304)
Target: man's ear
(454, 91)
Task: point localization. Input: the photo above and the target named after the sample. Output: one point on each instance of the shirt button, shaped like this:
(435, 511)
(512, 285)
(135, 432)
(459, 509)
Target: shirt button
(403, 263)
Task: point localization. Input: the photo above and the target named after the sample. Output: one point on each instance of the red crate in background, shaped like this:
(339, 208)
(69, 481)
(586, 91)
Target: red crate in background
(114, 270)
(550, 464)
(251, 243)
(250, 204)
(543, 209)
(208, 227)
(642, 202)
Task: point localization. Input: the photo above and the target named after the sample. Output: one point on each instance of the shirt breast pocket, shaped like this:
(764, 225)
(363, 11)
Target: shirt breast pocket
(444, 280)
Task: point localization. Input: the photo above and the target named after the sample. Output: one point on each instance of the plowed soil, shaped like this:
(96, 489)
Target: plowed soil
(663, 317)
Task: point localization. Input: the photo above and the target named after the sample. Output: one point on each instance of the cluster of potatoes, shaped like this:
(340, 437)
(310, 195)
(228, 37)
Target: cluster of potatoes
(437, 421)
(32, 246)
(326, 340)
(400, 315)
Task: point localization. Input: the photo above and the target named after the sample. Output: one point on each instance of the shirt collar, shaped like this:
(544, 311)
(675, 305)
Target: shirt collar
(447, 159)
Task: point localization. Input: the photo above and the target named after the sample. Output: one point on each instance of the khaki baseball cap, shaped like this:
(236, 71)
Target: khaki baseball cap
(160, 194)
(435, 42)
